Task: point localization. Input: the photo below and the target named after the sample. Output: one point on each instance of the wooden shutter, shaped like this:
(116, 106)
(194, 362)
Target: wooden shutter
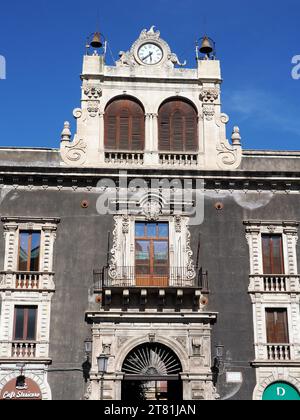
(273, 261)
(277, 326)
(178, 127)
(124, 126)
(177, 138)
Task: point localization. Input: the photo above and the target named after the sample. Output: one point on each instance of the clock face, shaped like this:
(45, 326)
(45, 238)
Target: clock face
(150, 54)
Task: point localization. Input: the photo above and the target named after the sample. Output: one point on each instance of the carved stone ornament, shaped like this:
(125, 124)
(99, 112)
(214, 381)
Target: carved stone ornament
(228, 156)
(125, 224)
(77, 113)
(196, 345)
(191, 272)
(75, 153)
(106, 349)
(178, 224)
(130, 58)
(93, 108)
(88, 393)
(93, 92)
(209, 112)
(152, 210)
(209, 95)
(113, 267)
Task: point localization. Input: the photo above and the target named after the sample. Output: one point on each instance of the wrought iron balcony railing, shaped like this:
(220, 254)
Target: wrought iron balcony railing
(128, 277)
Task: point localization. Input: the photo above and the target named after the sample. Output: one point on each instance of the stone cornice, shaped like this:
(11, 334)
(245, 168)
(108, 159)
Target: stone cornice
(287, 223)
(61, 178)
(25, 219)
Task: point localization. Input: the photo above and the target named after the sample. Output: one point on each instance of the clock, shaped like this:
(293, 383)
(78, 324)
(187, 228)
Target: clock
(150, 54)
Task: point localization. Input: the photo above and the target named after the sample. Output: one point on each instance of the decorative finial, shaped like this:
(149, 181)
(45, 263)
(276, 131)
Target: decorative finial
(236, 137)
(66, 133)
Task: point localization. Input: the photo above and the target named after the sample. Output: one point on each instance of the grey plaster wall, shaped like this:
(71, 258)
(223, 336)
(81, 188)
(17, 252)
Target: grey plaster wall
(81, 246)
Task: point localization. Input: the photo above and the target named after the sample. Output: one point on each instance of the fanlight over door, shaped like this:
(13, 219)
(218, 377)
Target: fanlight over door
(150, 360)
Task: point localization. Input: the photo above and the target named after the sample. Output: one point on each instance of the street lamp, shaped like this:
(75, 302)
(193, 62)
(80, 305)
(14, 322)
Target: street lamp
(102, 362)
(88, 346)
(218, 365)
(86, 366)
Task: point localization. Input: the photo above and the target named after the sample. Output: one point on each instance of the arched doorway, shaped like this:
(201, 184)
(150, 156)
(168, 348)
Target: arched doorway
(152, 372)
(281, 391)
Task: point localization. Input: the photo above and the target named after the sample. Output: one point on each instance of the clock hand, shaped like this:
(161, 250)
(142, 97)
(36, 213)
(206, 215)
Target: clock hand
(147, 56)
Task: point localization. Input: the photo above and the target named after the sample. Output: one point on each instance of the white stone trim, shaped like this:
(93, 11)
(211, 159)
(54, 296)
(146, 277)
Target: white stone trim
(262, 299)
(289, 232)
(123, 250)
(269, 375)
(12, 228)
(43, 303)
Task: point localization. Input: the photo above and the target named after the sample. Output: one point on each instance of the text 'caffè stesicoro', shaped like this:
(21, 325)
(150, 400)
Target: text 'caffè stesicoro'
(21, 388)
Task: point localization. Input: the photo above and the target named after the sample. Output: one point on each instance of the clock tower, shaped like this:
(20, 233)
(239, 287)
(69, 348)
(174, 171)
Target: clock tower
(172, 114)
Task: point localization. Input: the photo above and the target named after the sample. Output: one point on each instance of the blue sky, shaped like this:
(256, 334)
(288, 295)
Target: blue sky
(43, 44)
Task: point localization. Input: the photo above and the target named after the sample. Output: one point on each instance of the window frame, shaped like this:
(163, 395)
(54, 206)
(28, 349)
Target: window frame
(29, 249)
(273, 310)
(152, 277)
(25, 322)
(177, 107)
(126, 104)
(271, 254)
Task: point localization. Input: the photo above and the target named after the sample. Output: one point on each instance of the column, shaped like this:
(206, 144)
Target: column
(151, 140)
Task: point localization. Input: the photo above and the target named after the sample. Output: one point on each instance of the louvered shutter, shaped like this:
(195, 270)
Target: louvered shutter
(277, 326)
(178, 127)
(124, 138)
(272, 254)
(177, 139)
(124, 126)
(271, 331)
(266, 254)
(164, 129)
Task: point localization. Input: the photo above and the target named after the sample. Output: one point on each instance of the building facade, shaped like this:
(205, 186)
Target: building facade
(172, 249)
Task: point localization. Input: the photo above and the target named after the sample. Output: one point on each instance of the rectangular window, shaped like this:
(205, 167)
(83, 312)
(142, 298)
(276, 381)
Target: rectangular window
(277, 326)
(25, 323)
(29, 251)
(152, 254)
(272, 254)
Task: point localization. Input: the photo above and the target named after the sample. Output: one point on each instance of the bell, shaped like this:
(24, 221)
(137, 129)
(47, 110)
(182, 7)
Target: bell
(96, 41)
(206, 47)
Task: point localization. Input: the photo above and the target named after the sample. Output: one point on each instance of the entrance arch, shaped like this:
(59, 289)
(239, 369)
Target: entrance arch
(152, 372)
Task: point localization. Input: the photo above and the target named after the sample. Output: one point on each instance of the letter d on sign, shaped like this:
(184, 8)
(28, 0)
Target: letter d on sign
(280, 392)
(2, 67)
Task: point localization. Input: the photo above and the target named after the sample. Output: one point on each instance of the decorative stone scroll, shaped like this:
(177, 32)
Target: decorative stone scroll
(74, 152)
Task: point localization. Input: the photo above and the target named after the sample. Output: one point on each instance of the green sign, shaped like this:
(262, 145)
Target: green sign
(281, 391)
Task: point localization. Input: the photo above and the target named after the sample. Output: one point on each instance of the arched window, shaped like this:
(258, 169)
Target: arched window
(124, 126)
(178, 127)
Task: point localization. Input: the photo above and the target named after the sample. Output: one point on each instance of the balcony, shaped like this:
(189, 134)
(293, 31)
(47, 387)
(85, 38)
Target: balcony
(178, 159)
(126, 277)
(274, 283)
(23, 281)
(21, 350)
(279, 352)
(124, 158)
(123, 287)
